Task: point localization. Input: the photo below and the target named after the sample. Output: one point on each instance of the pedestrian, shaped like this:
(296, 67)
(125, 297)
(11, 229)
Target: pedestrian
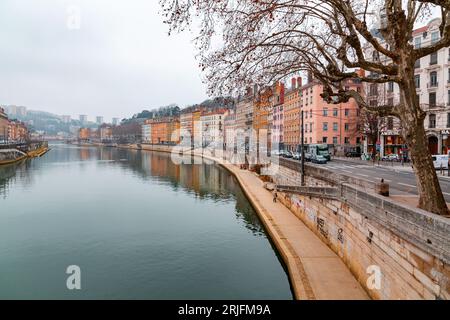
(275, 195)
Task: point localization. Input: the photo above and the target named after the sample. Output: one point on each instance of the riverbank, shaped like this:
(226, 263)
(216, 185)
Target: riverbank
(314, 270)
(13, 155)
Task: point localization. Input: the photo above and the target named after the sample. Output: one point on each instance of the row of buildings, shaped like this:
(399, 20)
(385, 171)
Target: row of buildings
(12, 130)
(274, 113)
(270, 113)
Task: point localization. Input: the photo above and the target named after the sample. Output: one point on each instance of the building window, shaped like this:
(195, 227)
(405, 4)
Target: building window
(325, 112)
(417, 80)
(417, 64)
(346, 112)
(335, 126)
(390, 123)
(434, 58)
(390, 101)
(346, 140)
(324, 140)
(335, 140)
(432, 99)
(373, 89)
(432, 120)
(448, 120)
(417, 42)
(346, 126)
(335, 112)
(375, 56)
(433, 79)
(325, 126)
(390, 86)
(434, 37)
(448, 97)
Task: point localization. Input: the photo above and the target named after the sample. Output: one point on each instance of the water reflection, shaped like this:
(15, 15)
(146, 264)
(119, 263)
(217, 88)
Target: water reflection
(138, 225)
(204, 181)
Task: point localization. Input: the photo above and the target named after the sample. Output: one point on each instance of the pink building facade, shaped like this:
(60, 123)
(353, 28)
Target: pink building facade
(332, 124)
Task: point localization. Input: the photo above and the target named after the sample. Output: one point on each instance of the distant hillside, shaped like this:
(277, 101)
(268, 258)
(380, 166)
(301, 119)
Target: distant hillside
(48, 122)
(171, 110)
(215, 103)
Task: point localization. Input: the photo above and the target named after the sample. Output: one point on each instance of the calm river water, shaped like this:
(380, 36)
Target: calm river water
(137, 225)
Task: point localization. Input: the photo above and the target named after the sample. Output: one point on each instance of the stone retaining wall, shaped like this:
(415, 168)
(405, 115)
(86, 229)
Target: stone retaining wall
(408, 246)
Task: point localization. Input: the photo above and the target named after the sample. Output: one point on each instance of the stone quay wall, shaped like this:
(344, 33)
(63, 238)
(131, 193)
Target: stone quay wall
(395, 251)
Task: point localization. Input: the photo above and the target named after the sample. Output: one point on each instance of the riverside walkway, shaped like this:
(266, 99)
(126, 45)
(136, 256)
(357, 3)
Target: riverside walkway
(316, 272)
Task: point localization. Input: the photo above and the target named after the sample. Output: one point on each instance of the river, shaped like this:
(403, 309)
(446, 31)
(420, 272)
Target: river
(137, 225)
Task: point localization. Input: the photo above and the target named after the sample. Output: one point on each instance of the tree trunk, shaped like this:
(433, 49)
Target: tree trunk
(412, 120)
(431, 197)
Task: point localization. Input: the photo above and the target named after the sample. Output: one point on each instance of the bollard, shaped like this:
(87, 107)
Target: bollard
(382, 188)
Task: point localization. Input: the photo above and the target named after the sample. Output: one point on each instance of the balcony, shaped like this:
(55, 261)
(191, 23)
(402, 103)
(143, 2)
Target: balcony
(432, 84)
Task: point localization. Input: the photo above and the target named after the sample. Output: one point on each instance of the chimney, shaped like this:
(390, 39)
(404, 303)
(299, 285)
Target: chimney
(299, 82)
(293, 81)
(360, 72)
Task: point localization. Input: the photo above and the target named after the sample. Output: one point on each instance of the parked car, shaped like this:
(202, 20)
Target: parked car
(391, 157)
(308, 156)
(287, 154)
(297, 156)
(319, 159)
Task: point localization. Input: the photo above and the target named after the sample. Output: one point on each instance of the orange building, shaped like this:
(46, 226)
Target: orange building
(17, 131)
(292, 115)
(84, 134)
(261, 110)
(165, 131)
(190, 124)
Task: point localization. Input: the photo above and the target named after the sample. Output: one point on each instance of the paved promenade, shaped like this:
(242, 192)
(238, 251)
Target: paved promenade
(316, 272)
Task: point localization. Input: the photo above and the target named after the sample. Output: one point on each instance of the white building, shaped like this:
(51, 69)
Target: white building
(99, 120)
(432, 77)
(115, 121)
(212, 128)
(147, 133)
(66, 118)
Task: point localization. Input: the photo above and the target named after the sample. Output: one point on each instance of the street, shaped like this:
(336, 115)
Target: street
(401, 180)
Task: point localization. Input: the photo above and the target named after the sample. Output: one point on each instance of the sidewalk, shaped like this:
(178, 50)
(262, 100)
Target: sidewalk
(388, 164)
(315, 271)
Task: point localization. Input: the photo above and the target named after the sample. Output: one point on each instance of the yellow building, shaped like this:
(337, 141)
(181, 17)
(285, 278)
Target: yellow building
(165, 131)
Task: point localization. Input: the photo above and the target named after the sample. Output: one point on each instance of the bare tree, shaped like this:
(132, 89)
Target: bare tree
(261, 41)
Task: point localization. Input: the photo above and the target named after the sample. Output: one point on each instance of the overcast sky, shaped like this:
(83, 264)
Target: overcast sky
(119, 61)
